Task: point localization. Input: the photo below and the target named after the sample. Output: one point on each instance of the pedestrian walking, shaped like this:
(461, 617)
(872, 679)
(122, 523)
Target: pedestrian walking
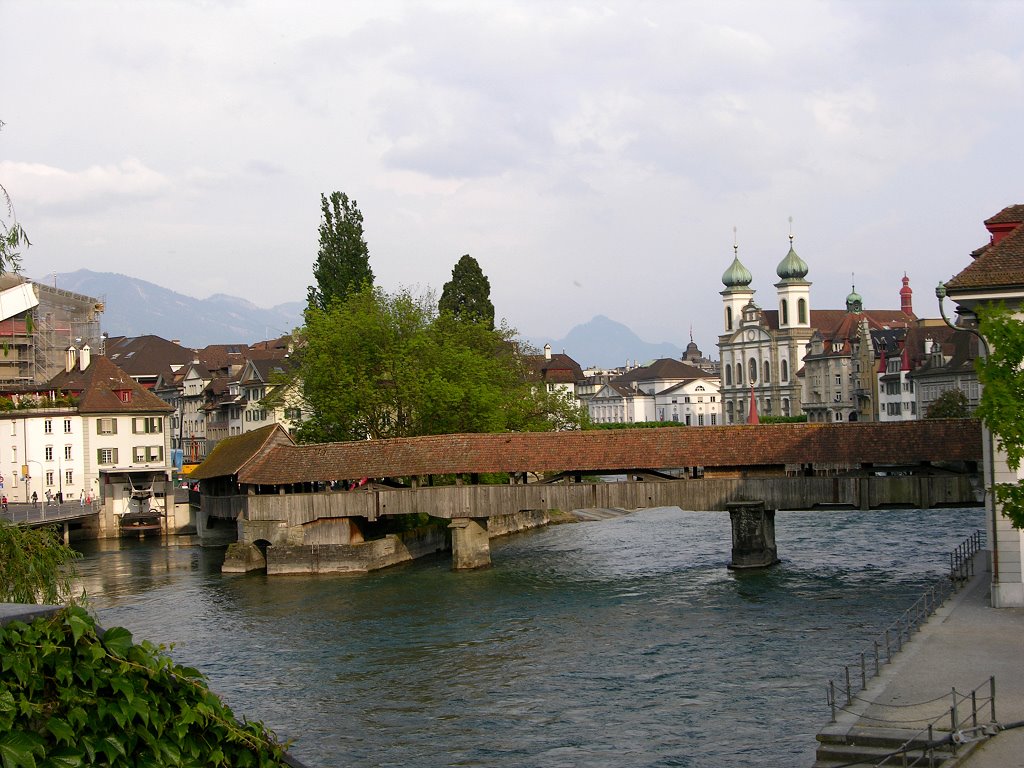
(35, 499)
(81, 498)
(3, 502)
(49, 497)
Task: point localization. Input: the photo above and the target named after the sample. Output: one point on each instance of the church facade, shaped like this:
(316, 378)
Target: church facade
(792, 359)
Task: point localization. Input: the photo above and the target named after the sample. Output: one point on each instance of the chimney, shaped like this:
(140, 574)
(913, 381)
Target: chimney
(547, 351)
(84, 358)
(70, 360)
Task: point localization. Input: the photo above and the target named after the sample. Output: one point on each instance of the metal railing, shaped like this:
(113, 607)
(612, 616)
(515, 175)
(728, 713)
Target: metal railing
(890, 642)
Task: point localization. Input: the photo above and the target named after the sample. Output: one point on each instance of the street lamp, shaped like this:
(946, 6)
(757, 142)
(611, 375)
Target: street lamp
(970, 320)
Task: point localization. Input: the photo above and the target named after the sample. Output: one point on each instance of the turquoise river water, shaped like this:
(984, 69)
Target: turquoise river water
(611, 643)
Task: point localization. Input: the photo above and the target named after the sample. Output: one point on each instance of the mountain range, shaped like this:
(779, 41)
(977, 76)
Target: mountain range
(135, 307)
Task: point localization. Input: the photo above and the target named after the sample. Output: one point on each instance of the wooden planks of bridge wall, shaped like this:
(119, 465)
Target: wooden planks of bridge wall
(706, 494)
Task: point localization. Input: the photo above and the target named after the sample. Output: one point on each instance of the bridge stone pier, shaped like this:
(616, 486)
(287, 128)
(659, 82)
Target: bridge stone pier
(368, 504)
(753, 535)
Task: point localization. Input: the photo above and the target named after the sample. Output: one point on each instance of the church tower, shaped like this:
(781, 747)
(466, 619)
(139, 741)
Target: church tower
(794, 291)
(737, 293)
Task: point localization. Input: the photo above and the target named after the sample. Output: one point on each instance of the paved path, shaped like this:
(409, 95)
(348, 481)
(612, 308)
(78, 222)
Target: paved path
(961, 646)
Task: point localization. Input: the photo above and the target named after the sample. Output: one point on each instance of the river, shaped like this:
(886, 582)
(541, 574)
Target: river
(613, 643)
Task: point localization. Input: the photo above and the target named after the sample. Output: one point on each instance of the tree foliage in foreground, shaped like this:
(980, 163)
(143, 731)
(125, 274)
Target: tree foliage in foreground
(35, 565)
(71, 695)
(385, 365)
(12, 237)
(1002, 379)
(342, 265)
(467, 296)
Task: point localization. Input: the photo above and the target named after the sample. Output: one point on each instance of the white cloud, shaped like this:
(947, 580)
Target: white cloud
(96, 187)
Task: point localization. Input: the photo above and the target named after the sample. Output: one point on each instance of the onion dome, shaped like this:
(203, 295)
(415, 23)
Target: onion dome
(792, 267)
(854, 302)
(737, 276)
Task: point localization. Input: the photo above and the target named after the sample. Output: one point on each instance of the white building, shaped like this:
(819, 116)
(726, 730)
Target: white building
(666, 390)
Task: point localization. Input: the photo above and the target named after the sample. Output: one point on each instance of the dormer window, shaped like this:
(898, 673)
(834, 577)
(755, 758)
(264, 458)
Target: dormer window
(124, 395)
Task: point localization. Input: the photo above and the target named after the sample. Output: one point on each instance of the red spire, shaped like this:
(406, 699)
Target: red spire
(906, 297)
(752, 417)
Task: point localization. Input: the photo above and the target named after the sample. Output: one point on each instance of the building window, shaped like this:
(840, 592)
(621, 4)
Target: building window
(148, 454)
(785, 312)
(48, 453)
(714, 419)
(49, 477)
(728, 375)
(106, 456)
(767, 372)
(69, 477)
(739, 373)
(124, 395)
(728, 318)
(67, 452)
(700, 419)
(802, 311)
(147, 425)
(67, 426)
(106, 426)
(785, 370)
(785, 406)
(48, 426)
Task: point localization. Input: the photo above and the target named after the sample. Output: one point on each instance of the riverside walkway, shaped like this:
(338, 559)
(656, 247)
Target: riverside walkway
(961, 646)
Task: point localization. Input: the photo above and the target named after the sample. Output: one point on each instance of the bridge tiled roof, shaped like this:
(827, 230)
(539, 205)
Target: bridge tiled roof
(600, 450)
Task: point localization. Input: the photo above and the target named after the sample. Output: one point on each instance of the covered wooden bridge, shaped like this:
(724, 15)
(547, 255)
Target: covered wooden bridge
(307, 501)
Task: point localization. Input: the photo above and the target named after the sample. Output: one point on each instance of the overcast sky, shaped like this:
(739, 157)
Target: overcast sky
(594, 157)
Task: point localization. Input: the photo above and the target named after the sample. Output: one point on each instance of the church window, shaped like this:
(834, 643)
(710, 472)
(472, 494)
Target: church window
(728, 374)
(785, 312)
(739, 373)
(767, 377)
(785, 406)
(728, 318)
(785, 370)
(802, 311)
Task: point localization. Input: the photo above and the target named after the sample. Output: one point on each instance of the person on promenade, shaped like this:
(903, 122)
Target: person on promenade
(3, 502)
(49, 498)
(35, 499)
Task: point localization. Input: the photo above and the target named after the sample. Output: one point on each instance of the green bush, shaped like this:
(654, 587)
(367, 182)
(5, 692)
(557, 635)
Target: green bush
(72, 696)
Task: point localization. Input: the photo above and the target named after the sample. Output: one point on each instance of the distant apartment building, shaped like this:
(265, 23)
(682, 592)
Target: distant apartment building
(666, 390)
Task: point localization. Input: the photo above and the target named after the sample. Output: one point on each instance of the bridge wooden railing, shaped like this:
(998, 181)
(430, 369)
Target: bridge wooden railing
(704, 494)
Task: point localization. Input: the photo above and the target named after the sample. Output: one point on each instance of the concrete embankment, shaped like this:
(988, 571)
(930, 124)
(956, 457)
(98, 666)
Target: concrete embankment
(961, 646)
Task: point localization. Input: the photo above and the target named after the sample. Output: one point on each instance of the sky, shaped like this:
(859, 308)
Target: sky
(594, 157)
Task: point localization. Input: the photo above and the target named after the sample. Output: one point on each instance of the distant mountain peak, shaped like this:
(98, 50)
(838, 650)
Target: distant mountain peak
(602, 342)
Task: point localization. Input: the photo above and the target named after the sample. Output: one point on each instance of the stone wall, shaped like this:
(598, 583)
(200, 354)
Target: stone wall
(356, 558)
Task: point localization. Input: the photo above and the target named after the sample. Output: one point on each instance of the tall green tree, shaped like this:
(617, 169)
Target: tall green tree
(467, 296)
(343, 261)
(1002, 378)
(382, 365)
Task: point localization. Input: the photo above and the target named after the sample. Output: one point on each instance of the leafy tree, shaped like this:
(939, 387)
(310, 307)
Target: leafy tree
(951, 404)
(12, 236)
(1002, 378)
(380, 365)
(35, 565)
(72, 695)
(343, 261)
(467, 296)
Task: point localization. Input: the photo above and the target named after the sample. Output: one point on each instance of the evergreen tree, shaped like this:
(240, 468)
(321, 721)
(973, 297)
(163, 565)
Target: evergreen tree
(467, 296)
(343, 261)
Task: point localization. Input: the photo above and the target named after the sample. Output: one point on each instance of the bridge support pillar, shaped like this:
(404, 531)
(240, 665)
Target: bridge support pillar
(471, 544)
(753, 535)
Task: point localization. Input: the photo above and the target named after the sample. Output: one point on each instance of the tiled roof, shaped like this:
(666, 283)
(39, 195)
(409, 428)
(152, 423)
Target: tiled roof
(1011, 214)
(1000, 265)
(145, 355)
(663, 368)
(558, 369)
(593, 450)
(97, 389)
(231, 454)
